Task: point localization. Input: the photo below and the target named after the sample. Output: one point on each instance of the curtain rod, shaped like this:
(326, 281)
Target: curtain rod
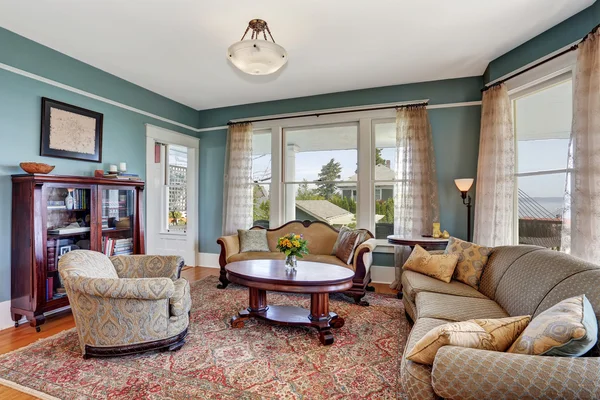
(318, 114)
(562, 53)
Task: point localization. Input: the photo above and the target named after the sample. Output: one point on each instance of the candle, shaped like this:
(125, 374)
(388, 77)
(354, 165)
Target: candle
(122, 167)
(112, 168)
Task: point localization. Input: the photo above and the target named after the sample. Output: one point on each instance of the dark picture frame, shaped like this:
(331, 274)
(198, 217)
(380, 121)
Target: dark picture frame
(91, 134)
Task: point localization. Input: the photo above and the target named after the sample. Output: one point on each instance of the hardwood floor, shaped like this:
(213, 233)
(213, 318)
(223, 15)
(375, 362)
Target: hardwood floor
(15, 338)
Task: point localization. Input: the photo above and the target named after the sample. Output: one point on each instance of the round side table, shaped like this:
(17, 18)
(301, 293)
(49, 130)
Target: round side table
(428, 243)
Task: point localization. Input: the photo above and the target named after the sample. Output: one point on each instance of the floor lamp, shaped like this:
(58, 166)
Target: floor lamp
(464, 185)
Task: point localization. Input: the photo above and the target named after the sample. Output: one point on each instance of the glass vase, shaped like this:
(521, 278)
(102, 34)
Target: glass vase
(291, 263)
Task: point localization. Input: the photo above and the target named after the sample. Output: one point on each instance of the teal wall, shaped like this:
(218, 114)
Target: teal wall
(438, 92)
(555, 38)
(455, 138)
(20, 114)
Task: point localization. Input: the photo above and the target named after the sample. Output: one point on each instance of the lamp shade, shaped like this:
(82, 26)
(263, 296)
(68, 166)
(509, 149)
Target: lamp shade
(464, 184)
(257, 56)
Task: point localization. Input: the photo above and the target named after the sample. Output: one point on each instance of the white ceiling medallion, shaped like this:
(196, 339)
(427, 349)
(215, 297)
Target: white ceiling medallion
(256, 56)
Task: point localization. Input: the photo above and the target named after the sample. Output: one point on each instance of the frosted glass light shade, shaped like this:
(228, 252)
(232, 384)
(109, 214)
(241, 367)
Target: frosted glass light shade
(257, 57)
(464, 184)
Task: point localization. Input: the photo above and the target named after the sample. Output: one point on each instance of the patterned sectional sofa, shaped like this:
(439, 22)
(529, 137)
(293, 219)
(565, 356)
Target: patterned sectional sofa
(517, 280)
(321, 237)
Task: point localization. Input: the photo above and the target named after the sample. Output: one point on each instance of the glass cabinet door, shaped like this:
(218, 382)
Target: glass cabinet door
(68, 227)
(117, 213)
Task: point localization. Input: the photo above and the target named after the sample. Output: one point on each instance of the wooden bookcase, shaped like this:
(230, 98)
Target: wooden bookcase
(104, 215)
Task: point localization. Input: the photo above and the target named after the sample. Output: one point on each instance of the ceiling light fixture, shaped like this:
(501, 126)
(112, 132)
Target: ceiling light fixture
(256, 56)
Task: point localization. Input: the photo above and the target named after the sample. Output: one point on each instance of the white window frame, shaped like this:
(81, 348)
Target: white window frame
(365, 213)
(314, 182)
(556, 73)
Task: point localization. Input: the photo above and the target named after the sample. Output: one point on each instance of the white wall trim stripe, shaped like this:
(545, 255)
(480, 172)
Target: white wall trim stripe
(213, 128)
(93, 96)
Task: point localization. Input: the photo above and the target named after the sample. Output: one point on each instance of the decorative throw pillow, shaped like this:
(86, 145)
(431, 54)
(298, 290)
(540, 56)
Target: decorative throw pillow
(349, 240)
(254, 240)
(339, 239)
(364, 235)
(483, 334)
(471, 260)
(438, 266)
(567, 329)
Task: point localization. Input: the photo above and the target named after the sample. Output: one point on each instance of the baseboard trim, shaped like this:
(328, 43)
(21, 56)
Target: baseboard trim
(380, 274)
(208, 260)
(6, 319)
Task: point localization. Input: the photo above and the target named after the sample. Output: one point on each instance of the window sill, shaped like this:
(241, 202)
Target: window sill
(383, 246)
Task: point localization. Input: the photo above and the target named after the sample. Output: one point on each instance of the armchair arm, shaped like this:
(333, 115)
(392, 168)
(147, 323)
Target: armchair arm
(230, 245)
(363, 258)
(461, 373)
(143, 266)
(123, 288)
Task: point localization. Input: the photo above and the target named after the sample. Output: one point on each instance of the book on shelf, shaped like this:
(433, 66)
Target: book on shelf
(68, 231)
(123, 177)
(80, 199)
(117, 247)
(49, 288)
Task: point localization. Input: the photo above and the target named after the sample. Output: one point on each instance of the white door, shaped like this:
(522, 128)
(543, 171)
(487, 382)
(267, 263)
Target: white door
(171, 193)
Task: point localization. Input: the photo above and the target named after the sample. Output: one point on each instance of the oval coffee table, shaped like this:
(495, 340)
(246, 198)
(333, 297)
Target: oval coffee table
(316, 279)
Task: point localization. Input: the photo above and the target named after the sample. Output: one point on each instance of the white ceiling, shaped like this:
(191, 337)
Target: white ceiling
(177, 47)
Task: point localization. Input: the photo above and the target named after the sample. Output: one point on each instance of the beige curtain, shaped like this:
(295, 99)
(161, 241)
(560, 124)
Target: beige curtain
(416, 204)
(495, 194)
(581, 219)
(237, 187)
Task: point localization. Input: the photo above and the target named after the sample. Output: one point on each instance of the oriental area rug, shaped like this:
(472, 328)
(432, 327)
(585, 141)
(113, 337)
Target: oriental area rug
(258, 361)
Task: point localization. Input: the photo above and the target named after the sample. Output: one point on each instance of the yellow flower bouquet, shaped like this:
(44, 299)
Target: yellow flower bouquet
(292, 246)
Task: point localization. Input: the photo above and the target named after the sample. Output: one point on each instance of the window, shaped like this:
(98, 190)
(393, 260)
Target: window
(542, 128)
(177, 188)
(261, 175)
(320, 166)
(385, 180)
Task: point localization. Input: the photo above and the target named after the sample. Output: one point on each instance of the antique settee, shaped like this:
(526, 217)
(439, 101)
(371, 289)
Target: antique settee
(517, 280)
(126, 304)
(321, 237)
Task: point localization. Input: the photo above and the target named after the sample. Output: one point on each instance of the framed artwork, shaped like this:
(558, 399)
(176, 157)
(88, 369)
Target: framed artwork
(64, 250)
(70, 132)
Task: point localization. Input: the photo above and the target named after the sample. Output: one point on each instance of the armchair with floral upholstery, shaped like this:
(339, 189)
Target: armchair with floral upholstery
(126, 304)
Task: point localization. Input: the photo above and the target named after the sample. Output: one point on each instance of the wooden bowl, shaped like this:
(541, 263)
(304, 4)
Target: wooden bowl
(36, 168)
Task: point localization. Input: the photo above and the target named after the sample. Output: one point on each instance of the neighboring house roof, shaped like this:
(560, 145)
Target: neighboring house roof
(382, 173)
(326, 211)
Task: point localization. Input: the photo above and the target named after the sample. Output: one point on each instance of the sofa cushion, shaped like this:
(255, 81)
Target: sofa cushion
(438, 266)
(482, 334)
(259, 255)
(256, 255)
(319, 235)
(456, 308)
(347, 242)
(471, 260)
(532, 277)
(180, 302)
(363, 235)
(414, 282)
(569, 329)
(415, 377)
(254, 240)
(325, 258)
(498, 263)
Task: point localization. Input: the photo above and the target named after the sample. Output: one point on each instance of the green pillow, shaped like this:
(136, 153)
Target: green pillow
(254, 240)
